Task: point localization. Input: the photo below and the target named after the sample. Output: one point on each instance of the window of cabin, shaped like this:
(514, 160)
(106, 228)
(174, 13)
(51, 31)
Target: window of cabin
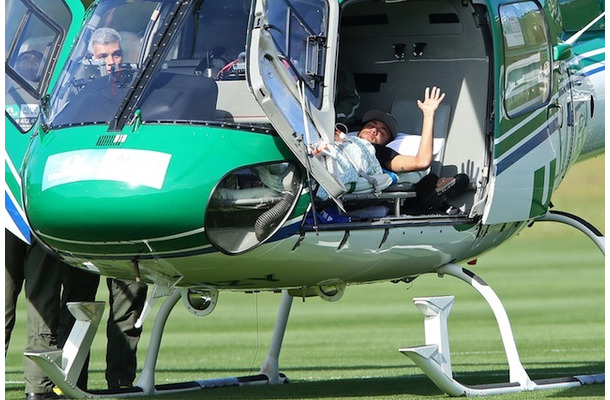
(527, 56)
(299, 30)
(31, 45)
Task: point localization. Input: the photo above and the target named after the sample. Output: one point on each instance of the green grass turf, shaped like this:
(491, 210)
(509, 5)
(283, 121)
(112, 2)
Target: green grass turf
(550, 279)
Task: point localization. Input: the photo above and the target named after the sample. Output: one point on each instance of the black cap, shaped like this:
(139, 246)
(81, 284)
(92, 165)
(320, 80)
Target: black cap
(384, 117)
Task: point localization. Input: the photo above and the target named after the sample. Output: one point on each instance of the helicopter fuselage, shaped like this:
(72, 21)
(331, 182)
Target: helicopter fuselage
(183, 168)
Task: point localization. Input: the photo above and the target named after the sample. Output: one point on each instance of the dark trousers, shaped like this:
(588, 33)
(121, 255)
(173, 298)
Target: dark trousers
(49, 285)
(126, 304)
(14, 256)
(41, 273)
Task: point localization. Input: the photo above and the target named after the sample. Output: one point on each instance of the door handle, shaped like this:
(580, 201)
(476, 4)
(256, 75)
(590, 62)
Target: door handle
(558, 106)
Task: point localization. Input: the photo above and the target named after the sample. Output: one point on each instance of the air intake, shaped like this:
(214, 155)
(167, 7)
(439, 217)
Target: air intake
(111, 140)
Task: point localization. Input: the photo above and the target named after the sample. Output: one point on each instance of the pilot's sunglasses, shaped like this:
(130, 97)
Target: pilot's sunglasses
(116, 54)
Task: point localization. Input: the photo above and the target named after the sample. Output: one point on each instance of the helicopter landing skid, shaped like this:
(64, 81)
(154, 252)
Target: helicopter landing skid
(576, 222)
(63, 367)
(434, 357)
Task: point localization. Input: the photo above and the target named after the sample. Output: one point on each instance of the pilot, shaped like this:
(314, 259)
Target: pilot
(105, 45)
(98, 99)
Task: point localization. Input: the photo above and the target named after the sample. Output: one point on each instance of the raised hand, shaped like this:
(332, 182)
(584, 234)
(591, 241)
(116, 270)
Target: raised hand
(432, 98)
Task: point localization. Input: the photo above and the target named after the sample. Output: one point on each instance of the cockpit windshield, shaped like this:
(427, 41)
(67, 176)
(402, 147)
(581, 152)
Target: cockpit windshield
(104, 61)
(167, 62)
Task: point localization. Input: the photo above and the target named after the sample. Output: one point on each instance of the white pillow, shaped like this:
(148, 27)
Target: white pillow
(408, 145)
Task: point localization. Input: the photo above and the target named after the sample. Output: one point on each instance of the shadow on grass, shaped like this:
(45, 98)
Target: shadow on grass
(489, 372)
(404, 387)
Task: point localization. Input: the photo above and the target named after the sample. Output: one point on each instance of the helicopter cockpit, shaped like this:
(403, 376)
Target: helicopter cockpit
(171, 59)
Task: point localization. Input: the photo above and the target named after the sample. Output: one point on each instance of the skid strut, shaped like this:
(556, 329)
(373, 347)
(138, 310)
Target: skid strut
(576, 222)
(434, 358)
(63, 367)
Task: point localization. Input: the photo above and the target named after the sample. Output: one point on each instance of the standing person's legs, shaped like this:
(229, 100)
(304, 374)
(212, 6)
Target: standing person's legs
(42, 286)
(14, 257)
(126, 304)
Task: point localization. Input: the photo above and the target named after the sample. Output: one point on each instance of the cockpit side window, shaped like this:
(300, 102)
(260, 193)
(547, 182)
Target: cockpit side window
(220, 37)
(31, 46)
(298, 29)
(527, 54)
(209, 47)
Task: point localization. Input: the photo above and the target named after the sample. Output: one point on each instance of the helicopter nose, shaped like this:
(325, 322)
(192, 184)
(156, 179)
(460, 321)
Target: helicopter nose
(103, 194)
(141, 202)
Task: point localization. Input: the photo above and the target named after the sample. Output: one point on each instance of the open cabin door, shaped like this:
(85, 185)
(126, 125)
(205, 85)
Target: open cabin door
(291, 68)
(531, 125)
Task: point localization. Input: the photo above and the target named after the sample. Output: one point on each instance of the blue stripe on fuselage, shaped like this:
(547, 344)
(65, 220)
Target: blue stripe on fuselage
(594, 71)
(13, 212)
(528, 146)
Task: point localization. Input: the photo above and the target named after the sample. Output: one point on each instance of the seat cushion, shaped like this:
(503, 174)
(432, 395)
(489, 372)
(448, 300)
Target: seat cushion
(408, 145)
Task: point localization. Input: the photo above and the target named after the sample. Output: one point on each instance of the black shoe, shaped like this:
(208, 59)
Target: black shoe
(431, 202)
(445, 188)
(121, 384)
(119, 387)
(449, 187)
(425, 190)
(444, 184)
(43, 396)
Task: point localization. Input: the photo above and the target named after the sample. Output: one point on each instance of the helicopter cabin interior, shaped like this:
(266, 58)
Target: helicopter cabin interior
(395, 49)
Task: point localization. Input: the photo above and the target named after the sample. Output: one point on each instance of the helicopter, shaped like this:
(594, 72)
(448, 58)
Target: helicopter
(198, 174)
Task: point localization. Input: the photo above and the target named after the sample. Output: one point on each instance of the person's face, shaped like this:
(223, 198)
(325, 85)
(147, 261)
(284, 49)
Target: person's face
(375, 132)
(111, 54)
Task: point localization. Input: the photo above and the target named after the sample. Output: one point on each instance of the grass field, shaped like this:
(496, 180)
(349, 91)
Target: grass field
(550, 279)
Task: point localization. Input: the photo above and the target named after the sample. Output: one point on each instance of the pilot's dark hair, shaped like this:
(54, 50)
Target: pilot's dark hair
(27, 65)
(103, 36)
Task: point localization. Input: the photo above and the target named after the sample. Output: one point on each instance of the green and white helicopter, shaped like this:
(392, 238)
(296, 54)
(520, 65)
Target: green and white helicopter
(191, 166)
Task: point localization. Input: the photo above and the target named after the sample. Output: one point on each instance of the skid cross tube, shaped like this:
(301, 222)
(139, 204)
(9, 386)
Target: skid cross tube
(64, 366)
(576, 222)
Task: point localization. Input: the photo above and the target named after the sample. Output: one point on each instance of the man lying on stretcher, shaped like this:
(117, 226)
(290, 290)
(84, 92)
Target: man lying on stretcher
(366, 154)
